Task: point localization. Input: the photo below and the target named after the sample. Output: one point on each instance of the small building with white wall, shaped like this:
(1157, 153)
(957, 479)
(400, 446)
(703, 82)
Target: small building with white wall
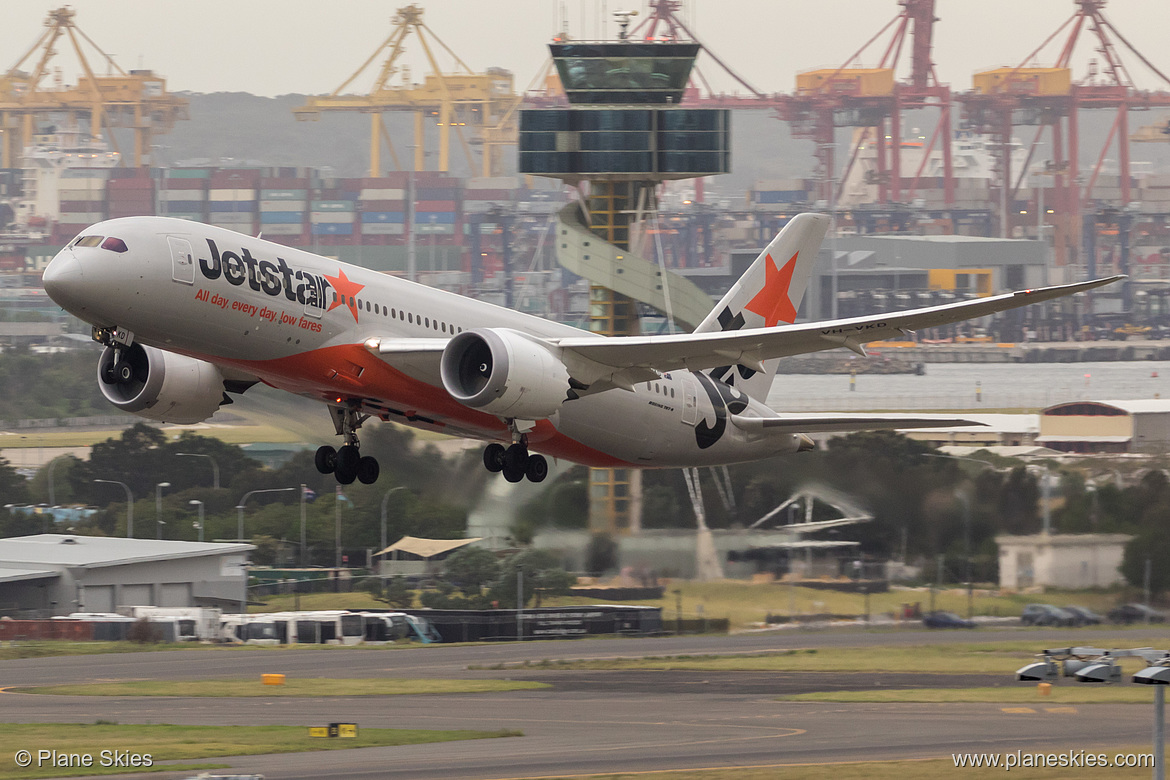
(1061, 560)
(55, 574)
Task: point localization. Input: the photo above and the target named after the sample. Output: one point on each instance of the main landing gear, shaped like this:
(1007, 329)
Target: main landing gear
(347, 463)
(515, 462)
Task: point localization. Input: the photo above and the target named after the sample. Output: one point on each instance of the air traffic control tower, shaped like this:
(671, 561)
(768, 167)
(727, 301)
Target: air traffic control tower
(621, 137)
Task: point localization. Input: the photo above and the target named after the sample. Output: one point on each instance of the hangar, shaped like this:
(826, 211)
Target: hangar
(55, 574)
(1107, 426)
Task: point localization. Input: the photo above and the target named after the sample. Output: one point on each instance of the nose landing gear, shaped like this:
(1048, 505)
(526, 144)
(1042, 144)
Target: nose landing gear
(347, 463)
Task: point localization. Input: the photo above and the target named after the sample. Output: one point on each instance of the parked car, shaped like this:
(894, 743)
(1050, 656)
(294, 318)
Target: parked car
(1085, 616)
(945, 620)
(1046, 615)
(1135, 613)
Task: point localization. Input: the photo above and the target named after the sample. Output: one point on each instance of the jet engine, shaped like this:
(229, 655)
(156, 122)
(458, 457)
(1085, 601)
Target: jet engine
(502, 372)
(160, 385)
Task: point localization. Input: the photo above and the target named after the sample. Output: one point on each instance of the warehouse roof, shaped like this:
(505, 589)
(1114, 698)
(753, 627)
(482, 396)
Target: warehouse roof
(15, 574)
(97, 551)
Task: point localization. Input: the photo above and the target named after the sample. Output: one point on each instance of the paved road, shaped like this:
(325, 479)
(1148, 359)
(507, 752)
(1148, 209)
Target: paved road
(588, 722)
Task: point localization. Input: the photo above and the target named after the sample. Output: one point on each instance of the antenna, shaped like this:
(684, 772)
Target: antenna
(623, 20)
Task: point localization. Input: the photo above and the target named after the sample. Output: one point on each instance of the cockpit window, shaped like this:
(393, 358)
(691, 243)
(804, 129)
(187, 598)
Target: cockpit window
(89, 241)
(114, 244)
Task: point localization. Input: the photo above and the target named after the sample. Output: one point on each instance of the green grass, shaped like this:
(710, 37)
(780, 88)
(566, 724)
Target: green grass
(316, 686)
(53, 647)
(178, 743)
(747, 604)
(974, 658)
(1017, 693)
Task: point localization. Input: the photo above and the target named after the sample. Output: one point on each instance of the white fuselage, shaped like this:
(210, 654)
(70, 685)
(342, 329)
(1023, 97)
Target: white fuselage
(299, 321)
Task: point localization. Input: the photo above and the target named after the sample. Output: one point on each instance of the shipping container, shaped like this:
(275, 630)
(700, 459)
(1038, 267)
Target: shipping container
(332, 229)
(168, 207)
(383, 205)
(333, 205)
(188, 173)
(284, 194)
(232, 206)
(232, 218)
(437, 193)
(383, 228)
(282, 217)
(388, 193)
(383, 216)
(270, 229)
(188, 195)
(331, 217)
(240, 194)
(289, 183)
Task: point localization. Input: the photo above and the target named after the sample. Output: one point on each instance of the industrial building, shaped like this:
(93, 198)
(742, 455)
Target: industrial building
(56, 574)
(1061, 560)
(1139, 426)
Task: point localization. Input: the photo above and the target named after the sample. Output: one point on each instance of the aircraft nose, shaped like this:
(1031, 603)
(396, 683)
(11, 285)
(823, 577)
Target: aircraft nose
(64, 281)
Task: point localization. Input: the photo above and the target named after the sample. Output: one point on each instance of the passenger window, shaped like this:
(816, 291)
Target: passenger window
(89, 241)
(444, 327)
(114, 244)
(428, 322)
(410, 318)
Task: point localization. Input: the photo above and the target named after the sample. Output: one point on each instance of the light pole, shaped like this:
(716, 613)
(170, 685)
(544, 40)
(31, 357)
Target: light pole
(199, 525)
(214, 465)
(52, 495)
(338, 497)
(158, 489)
(129, 504)
(965, 500)
(385, 498)
(240, 508)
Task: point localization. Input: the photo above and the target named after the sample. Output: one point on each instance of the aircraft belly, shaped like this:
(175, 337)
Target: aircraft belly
(614, 421)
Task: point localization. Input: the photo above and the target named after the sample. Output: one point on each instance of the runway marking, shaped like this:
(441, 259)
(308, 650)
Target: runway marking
(1062, 710)
(1019, 710)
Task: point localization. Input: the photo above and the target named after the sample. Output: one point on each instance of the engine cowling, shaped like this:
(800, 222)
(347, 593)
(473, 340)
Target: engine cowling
(160, 385)
(502, 372)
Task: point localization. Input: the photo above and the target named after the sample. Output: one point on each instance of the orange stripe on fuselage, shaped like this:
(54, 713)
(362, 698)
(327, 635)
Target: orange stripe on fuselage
(350, 372)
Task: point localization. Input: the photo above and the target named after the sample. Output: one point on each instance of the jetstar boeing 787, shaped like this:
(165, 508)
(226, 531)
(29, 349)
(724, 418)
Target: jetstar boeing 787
(189, 313)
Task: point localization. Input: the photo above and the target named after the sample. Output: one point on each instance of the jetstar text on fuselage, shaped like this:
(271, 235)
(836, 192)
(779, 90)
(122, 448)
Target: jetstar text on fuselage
(264, 275)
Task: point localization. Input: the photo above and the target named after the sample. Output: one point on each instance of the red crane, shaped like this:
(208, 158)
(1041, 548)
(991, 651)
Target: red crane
(1048, 98)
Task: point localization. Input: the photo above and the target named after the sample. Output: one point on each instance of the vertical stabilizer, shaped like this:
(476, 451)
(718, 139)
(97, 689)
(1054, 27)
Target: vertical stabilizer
(768, 294)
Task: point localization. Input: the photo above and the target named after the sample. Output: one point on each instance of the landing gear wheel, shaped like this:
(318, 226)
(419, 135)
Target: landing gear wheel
(515, 462)
(493, 457)
(325, 459)
(537, 468)
(347, 464)
(367, 470)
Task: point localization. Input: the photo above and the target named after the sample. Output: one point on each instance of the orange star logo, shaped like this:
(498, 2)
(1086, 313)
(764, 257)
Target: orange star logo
(346, 290)
(772, 303)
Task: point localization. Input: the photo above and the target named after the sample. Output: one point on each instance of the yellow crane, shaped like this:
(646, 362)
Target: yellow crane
(137, 100)
(486, 102)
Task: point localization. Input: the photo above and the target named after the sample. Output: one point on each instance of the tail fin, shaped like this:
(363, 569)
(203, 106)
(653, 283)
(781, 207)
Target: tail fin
(769, 293)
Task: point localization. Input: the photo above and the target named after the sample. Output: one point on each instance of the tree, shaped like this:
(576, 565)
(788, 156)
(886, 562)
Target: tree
(13, 487)
(1152, 544)
(471, 569)
(543, 576)
(601, 555)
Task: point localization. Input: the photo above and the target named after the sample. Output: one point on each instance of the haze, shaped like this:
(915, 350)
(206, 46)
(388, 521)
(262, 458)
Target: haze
(271, 47)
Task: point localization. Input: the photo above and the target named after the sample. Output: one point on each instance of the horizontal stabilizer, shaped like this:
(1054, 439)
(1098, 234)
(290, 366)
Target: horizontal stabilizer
(839, 423)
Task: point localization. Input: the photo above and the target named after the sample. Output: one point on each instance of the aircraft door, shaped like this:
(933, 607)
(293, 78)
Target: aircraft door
(182, 260)
(690, 410)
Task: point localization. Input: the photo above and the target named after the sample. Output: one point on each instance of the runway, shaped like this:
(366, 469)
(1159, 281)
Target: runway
(588, 721)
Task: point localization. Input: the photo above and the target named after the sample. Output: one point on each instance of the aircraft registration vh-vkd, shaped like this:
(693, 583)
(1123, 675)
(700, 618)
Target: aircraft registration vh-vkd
(190, 313)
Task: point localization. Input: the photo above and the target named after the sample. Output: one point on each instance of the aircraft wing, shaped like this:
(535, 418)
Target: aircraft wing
(806, 423)
(635, 356)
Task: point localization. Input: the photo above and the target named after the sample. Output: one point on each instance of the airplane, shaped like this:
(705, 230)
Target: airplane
(190, 313)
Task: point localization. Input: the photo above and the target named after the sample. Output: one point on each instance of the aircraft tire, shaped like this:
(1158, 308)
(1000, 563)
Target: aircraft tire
(367, 470)
(325, 459)
(493, 457)
(537, 468)
(515, 462)
(347, 464)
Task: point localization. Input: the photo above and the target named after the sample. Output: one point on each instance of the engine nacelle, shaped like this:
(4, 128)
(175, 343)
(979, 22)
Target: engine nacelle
(502, 372)
(160, 385)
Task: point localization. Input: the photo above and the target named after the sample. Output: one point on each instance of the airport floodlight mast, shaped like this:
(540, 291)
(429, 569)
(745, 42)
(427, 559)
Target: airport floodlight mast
(199, 524)
(1098, 665)
(214, 465)
(240, 507)
(129, 504)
